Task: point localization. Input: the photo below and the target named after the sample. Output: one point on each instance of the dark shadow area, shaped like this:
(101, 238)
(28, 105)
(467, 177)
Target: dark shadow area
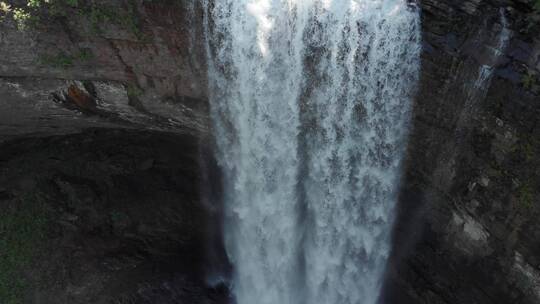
(410, 228)
(107, 216)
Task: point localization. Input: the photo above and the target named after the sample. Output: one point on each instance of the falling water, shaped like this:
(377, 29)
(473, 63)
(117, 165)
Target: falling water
(485, 73)
(310, 101)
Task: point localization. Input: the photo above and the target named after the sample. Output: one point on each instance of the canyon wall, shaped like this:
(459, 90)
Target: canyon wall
(468, 230)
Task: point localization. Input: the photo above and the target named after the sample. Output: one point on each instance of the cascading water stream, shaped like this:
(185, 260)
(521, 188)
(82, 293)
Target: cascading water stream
(310, 101)
(485, 73)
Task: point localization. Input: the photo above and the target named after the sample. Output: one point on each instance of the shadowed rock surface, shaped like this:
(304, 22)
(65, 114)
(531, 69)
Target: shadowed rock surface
(120, 213)
(467, 231)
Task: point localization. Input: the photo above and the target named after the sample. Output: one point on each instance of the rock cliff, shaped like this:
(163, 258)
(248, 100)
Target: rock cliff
(467, 229)
(136, 61)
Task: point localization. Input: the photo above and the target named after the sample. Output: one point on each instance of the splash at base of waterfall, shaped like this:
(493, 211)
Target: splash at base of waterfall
(310, 103)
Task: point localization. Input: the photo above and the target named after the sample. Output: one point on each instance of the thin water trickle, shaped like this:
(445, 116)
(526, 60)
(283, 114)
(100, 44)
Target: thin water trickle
(485, 73)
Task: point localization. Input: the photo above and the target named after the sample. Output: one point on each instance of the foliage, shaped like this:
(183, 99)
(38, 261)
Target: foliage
(133, 91)
(526, 196)
(533, 18)
(84, 55)
(5, 9)
(63, 60)
(97, 13)
(22, 230)
(529, 80)
(528, 151)
(536, 5)
(100, 14)
(27, 14)
(23, 18)
(116, 216)
(129, 20)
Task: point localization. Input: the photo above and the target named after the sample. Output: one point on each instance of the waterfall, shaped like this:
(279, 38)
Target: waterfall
(310, 101)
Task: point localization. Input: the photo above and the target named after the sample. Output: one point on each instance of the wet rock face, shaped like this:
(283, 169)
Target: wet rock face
(121, 218)
(467, 229)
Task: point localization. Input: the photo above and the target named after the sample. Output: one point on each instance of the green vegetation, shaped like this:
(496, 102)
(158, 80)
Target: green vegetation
(116, 216)
(536, 5)
(23, 18)
(63, 60)
(525, 150)
(97, 13)
(130, 21)
(133, 91)
(22, 231)
(4, 7)
(84, 55)
(28, 14)
(533, 18)
(529, 80)
(526, 196)
(100, 14)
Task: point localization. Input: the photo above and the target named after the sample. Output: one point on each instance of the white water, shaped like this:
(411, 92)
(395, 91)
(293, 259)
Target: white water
(310, 102)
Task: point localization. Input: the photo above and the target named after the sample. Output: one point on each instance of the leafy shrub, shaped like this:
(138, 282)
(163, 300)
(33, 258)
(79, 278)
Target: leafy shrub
(529, 80)
(22, 232)
(96, 12)
(5, 8)
(536, 5)
(533, 19)
(526, 196)
(63, 60)
(133, 91)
